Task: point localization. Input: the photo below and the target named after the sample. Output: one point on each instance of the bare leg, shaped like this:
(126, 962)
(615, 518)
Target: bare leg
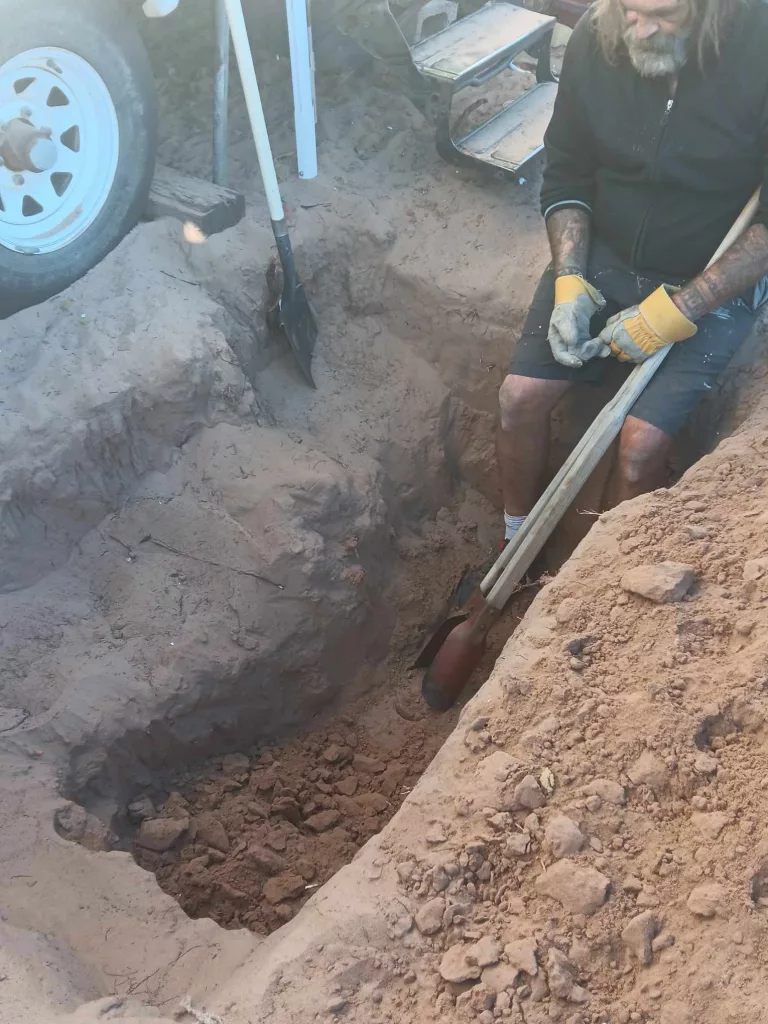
(522, 440)
(641, 463)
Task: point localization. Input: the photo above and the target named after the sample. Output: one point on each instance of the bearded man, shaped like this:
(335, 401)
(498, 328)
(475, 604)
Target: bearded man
(658, 138)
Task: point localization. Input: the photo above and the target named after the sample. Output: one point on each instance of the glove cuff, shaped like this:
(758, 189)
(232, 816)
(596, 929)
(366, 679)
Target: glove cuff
(664, 318)
(569, 286)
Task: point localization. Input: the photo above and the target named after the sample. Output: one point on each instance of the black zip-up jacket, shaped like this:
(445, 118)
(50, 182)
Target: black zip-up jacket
(664, 179)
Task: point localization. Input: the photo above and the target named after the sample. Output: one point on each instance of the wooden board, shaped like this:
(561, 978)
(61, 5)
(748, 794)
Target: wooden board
(211, 207)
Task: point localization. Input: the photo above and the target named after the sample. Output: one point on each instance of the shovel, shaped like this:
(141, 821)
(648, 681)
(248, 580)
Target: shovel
(295, 314)
(456, 651)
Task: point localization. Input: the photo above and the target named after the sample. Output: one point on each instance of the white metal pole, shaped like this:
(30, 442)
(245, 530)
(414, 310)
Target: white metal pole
(302, 76)
(255, 110)
(221, 98)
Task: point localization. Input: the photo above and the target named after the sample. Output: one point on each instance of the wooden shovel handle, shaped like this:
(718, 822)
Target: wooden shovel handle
(518, 555)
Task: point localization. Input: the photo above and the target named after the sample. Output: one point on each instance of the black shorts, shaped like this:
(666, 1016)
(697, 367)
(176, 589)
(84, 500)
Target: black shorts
(683, 379)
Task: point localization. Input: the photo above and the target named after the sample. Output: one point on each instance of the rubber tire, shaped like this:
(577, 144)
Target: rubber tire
(99, 32)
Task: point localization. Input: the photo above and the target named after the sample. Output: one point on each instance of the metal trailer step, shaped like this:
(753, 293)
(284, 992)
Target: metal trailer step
(514, 135)
(480, 44)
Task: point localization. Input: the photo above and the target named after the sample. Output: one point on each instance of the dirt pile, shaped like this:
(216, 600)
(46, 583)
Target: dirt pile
(250, 839)
(604, 858)
(247, 839)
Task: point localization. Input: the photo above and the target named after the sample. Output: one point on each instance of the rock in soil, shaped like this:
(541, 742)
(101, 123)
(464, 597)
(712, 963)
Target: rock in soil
(564, 836)
(610, 792)
(211, 832)
(706, 900)
(662, 583)
(649, 770)
(528, 794)
(486, 952)
(521, 954)
(160, 834)
(286, 886)
(582, 890)
(639, 934)
(560, 978)
(456, 967)
(429, 918)
(500, 977)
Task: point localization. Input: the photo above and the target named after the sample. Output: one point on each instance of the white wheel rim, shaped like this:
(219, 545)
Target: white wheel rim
(52, 88)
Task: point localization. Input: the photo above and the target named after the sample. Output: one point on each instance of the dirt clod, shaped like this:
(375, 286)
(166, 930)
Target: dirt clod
(323, 820)
(560, 978)
(521, 954)
(528, 794)
(161, 833)
(429, 919)
(285, 886)
(582, 890)
(211, 832)
(706, 900)
(608, 791)
(456, 967)
(564, 836)
(639, 934)
(486, 952)
(662, 583)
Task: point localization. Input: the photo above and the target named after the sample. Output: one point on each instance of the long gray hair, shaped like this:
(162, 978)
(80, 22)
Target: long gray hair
(709, 21)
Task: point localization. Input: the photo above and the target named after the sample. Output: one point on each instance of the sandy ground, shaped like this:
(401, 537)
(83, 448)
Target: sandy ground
(167, 472)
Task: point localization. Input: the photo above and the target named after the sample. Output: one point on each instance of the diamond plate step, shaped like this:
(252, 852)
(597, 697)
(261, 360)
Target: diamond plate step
(480, 43)
(516, 133)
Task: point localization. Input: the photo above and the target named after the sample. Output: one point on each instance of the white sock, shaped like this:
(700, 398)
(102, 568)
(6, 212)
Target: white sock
(512, 524)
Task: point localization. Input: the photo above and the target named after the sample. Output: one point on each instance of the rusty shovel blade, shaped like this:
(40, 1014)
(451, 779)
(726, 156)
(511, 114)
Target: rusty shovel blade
(428, 652)
(466, 608)
(458, 657)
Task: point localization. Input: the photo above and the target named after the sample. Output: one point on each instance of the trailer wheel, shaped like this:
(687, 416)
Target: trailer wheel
(78, 137)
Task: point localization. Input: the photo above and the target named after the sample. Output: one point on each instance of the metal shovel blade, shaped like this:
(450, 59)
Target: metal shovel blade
(457, 659)
(428, 652)
(298, 322)
(296, 316)
(467, 599)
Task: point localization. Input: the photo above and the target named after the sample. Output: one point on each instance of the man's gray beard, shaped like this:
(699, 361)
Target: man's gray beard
(658, 56)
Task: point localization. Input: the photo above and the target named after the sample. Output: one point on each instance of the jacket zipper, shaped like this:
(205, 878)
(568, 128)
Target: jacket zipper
(643, 222)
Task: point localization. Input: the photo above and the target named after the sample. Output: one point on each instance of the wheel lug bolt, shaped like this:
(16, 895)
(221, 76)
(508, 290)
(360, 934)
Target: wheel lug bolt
(26, 112)
(18, 179)
(45, 132)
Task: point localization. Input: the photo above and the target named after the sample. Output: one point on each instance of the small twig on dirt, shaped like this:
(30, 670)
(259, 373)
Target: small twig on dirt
(137, 984)
(200, 1015)
(122, 544)
(194, 284)
(209, 561)
(588, 512)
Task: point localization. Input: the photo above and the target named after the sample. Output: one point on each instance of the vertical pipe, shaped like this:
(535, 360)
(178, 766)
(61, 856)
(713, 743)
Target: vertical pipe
(221, 98)
(303, 78)
(250, 84)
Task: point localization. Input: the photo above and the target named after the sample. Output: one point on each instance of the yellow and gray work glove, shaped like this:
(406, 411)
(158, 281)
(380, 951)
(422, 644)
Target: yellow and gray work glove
(576, 302)
(636, 333)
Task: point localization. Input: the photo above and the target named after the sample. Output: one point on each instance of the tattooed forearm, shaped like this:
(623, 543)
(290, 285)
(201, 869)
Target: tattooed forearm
(737, 270)
(568, 232)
